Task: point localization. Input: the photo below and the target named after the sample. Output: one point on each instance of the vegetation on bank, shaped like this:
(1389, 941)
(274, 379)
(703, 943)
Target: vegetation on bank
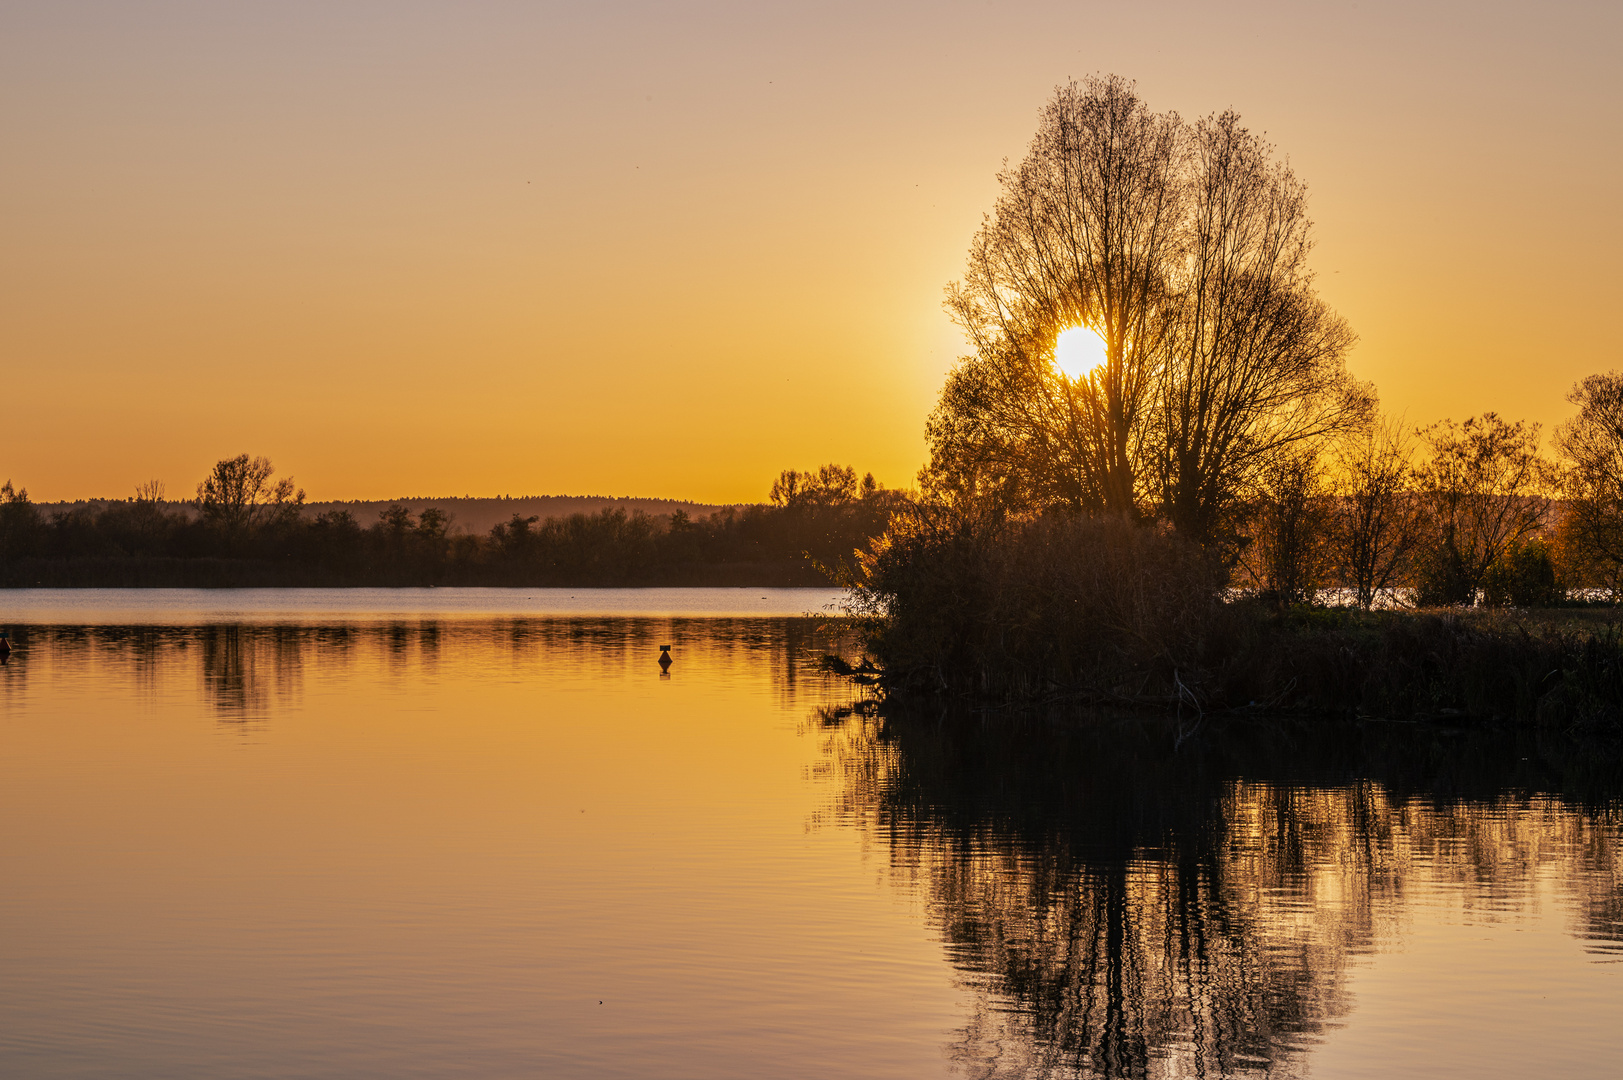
(1104, 612)
(245, 527)
(1155, 530)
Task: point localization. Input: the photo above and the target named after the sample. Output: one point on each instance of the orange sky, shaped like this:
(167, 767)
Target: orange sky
(671, 249)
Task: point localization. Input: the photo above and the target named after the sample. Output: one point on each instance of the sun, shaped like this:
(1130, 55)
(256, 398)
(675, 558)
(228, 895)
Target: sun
(1078, 351)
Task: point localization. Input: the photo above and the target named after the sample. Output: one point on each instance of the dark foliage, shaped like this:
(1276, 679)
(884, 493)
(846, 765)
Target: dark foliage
(149, 542)
(1525, 577)
(991, 606)
(1100, 610)
(1565, 673)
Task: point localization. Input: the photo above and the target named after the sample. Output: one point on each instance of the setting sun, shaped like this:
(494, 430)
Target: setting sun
(1078, 351)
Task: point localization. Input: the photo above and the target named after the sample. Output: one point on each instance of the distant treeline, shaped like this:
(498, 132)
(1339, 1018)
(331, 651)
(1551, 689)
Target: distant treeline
(244, 528)
(479, 515)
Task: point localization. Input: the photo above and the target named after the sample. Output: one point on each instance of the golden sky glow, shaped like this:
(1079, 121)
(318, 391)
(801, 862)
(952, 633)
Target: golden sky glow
(669, 250)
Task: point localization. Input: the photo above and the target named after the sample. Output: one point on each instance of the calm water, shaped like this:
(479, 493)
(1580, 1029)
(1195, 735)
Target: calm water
(300, 835)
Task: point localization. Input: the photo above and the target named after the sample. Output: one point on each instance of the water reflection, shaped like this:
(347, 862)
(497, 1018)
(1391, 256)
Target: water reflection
(1121, 910)
(247, 672)
(429, 848)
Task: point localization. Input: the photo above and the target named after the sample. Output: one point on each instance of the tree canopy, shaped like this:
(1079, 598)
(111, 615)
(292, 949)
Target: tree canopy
(1184, 247)
(1592, 445)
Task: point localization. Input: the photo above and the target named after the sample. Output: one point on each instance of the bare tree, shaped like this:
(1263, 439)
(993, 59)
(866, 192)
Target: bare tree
(148, 518)
(1084, 233)
(1255, 371)
(1481, 493)
(1287, 556)
(238, 494)
(1375, 525)
(1184, 247)
(1591, 446)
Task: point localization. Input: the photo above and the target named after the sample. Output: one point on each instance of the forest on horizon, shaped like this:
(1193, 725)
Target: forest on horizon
(246, 527)
(465, 513)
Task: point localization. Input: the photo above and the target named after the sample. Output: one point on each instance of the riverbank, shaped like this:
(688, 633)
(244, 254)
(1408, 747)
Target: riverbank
(163, 572)
(1558, 668)
(24, 609)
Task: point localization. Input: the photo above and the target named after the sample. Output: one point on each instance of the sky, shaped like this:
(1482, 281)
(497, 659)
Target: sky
(669, 249)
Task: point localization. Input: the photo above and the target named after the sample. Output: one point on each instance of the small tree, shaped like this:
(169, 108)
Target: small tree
(238, 496)
(1591, 446)
(149, 522)
(335, 540)
(1375, 524)
(1481, 495)
(20, 523)
(1287, 556)
(516, 539)
(1524, 576)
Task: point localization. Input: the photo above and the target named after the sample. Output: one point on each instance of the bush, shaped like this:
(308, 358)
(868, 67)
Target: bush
(1018, 608)
(1440, 581)
(1524, 576)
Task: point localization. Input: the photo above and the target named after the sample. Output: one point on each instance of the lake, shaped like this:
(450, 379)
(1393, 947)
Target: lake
(426, 833)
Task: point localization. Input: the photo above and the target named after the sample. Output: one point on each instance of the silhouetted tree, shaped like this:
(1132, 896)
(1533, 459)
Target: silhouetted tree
(1480, 491)
(433, 528)
(1523, 576)
(238, 495)
(1376, 524)
(831, 485)
(514, 539)
(828, 514)
(150, 522)
(1086, 232)
(1591, 446)
(395, 522)
(336, 542)
(20, 523)
(1184, 247)
(1254, 370)
(1287, 556)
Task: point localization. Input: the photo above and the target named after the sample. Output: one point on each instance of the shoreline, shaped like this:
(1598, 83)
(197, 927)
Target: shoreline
(125, 606)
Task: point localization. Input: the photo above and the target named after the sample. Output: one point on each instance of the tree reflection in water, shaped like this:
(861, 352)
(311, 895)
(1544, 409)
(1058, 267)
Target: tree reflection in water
(247, 671)
(1121, 910)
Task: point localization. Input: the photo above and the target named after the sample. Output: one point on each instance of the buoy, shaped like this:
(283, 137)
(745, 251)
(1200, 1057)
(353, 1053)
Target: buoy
(665, 657)
(5, 644)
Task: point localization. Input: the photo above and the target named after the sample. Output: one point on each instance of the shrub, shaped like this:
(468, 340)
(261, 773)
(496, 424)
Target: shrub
(1017, 608)
(1524, 576)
